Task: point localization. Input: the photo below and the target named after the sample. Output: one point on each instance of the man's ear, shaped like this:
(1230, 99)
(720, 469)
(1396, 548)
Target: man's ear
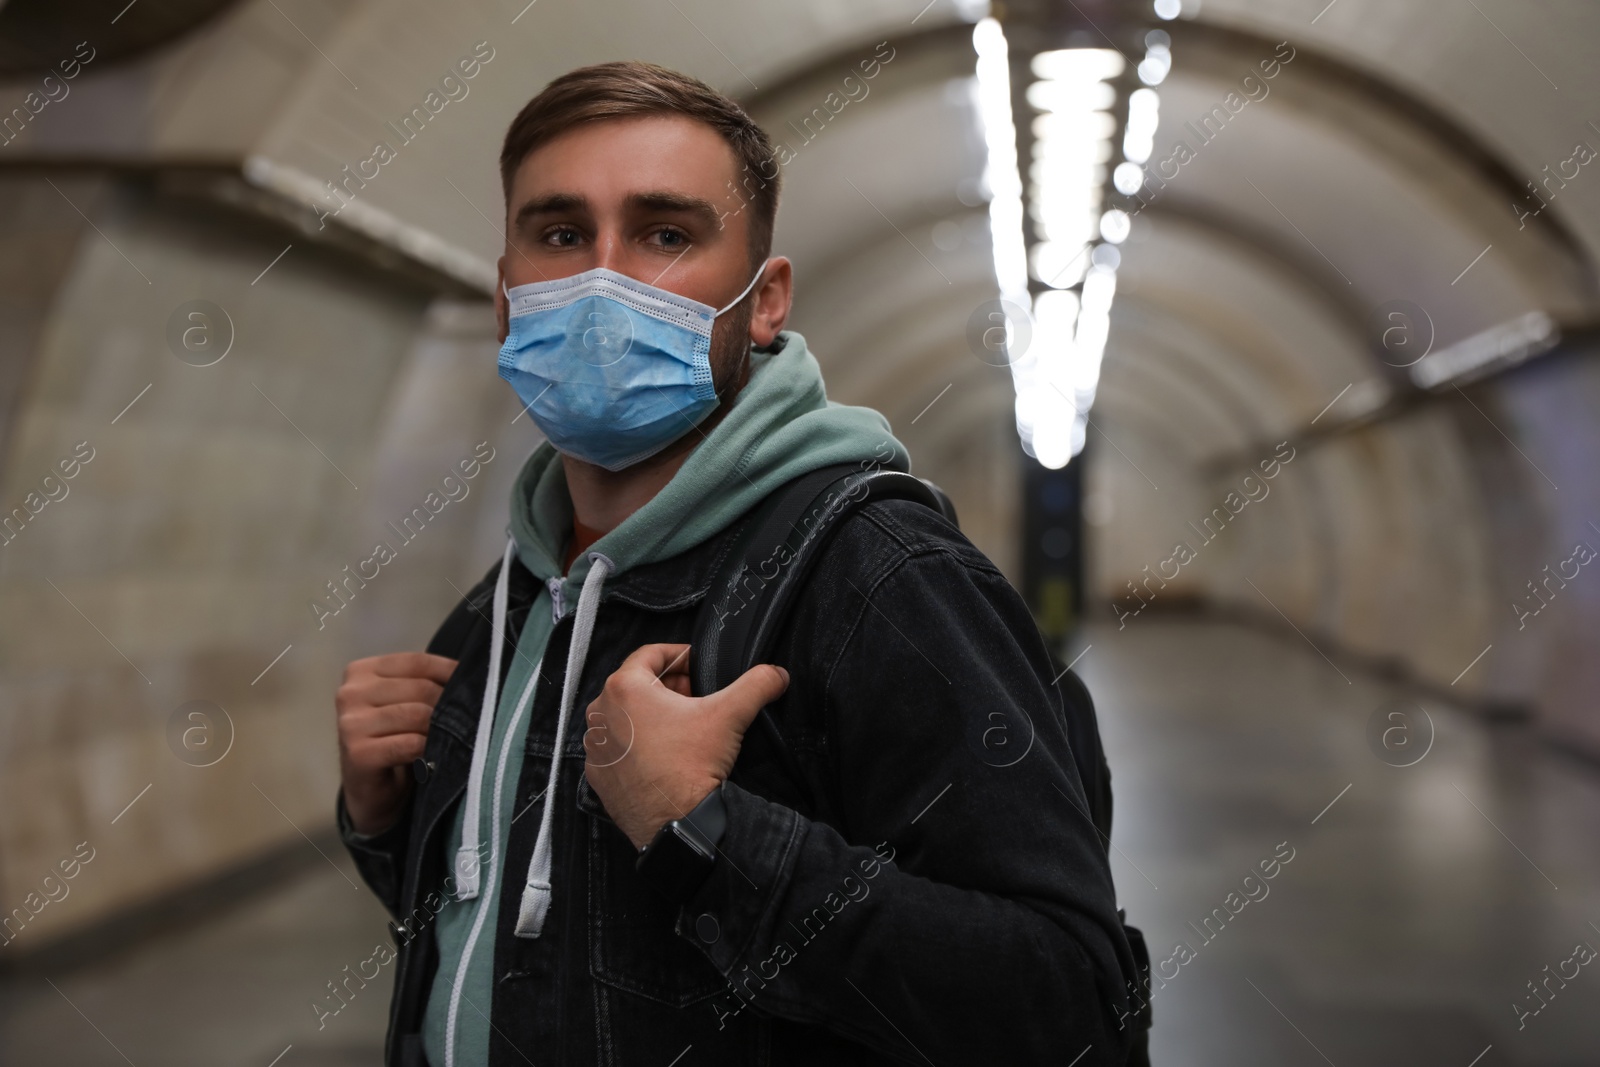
(774, 298)
(502, 312)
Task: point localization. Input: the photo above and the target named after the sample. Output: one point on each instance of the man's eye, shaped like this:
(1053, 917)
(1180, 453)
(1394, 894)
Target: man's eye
(671, 238)
(562, 236)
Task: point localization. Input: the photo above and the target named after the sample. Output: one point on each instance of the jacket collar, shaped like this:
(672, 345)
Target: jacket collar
(665, 585)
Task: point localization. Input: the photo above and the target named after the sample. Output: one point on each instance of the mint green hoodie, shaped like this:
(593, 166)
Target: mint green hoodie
(781, 425)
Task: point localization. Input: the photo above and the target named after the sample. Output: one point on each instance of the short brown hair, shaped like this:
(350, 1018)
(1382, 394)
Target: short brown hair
(631, 88)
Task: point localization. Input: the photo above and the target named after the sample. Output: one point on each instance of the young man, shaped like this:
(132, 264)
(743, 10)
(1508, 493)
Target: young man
(915, 896)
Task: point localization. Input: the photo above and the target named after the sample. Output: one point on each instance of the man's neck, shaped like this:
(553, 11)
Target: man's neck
(602, 499)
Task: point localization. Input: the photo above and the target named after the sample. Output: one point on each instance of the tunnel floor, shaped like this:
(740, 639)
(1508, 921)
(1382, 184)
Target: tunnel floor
(1416, 907)
(1417, 904)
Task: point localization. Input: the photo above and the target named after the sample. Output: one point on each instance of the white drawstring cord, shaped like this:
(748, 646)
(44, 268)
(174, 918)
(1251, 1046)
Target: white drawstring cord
(536, 894)
(483, 912)
(467, 857)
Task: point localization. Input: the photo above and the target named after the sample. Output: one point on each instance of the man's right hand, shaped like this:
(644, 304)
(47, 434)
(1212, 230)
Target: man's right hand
(384, 705)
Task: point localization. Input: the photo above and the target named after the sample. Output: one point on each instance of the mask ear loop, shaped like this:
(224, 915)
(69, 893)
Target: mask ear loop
(744, 294)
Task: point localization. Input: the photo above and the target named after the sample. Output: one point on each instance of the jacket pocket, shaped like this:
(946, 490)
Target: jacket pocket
(632, 945)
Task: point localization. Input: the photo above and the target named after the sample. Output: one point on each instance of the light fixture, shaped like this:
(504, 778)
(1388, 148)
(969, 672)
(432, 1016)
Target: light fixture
(1074, 257)
(1498, 347)
(1114, 225)
(1138, 136)
(1001, 177)
(1153, 68)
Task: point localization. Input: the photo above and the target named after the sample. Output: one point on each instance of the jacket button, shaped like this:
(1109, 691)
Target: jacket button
(706, 927)
(421, 769)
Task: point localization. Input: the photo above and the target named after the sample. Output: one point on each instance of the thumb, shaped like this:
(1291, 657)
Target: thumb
(751, 691)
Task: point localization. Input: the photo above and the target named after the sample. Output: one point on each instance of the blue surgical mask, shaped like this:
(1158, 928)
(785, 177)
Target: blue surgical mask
(612, 369)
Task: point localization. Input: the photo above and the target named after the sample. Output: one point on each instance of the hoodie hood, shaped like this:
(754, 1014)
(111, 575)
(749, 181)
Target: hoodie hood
(781, 425)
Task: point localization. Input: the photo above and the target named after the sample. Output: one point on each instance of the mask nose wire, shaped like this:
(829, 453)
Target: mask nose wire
(732, 304)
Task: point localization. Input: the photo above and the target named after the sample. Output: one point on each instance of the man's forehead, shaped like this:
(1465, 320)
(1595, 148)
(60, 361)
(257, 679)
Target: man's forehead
(631, 157)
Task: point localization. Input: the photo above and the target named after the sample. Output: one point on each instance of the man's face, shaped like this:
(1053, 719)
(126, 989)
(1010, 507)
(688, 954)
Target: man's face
(653, 198)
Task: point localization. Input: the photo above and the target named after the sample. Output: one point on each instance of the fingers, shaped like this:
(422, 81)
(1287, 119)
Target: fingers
(678, 665)
(648, 668)
(436, 669)
(390, 694)
(395, 719)
(676, 676)
(393, 750)
(384, 706)
(662, 661)
(750, 692)
(378, 691)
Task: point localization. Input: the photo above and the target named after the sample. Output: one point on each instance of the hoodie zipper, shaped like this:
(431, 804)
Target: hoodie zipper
(558, 599)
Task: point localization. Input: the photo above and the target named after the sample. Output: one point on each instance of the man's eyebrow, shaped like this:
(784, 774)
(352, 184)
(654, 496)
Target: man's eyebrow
(554, 204)
(704, 211)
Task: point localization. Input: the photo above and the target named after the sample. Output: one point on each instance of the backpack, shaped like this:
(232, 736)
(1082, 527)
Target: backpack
(756, 585)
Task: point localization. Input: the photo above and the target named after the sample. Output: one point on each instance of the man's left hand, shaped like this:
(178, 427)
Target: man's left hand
(653, 751)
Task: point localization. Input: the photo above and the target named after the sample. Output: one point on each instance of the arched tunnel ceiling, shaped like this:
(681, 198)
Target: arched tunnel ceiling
(1530, 112)
(745, 50)
(1263, 351)
(1252, 272)
(1269, 238)
(313, 87)
(1369, 206)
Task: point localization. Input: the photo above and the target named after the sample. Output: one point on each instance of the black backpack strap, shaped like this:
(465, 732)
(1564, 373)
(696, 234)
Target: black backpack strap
(1083, 734)
(751, 594)
(1143, 1016)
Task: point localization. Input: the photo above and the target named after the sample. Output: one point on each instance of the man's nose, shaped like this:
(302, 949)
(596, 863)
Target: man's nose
(609, 250)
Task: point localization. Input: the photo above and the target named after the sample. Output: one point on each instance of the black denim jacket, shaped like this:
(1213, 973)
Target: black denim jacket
(932, 893)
